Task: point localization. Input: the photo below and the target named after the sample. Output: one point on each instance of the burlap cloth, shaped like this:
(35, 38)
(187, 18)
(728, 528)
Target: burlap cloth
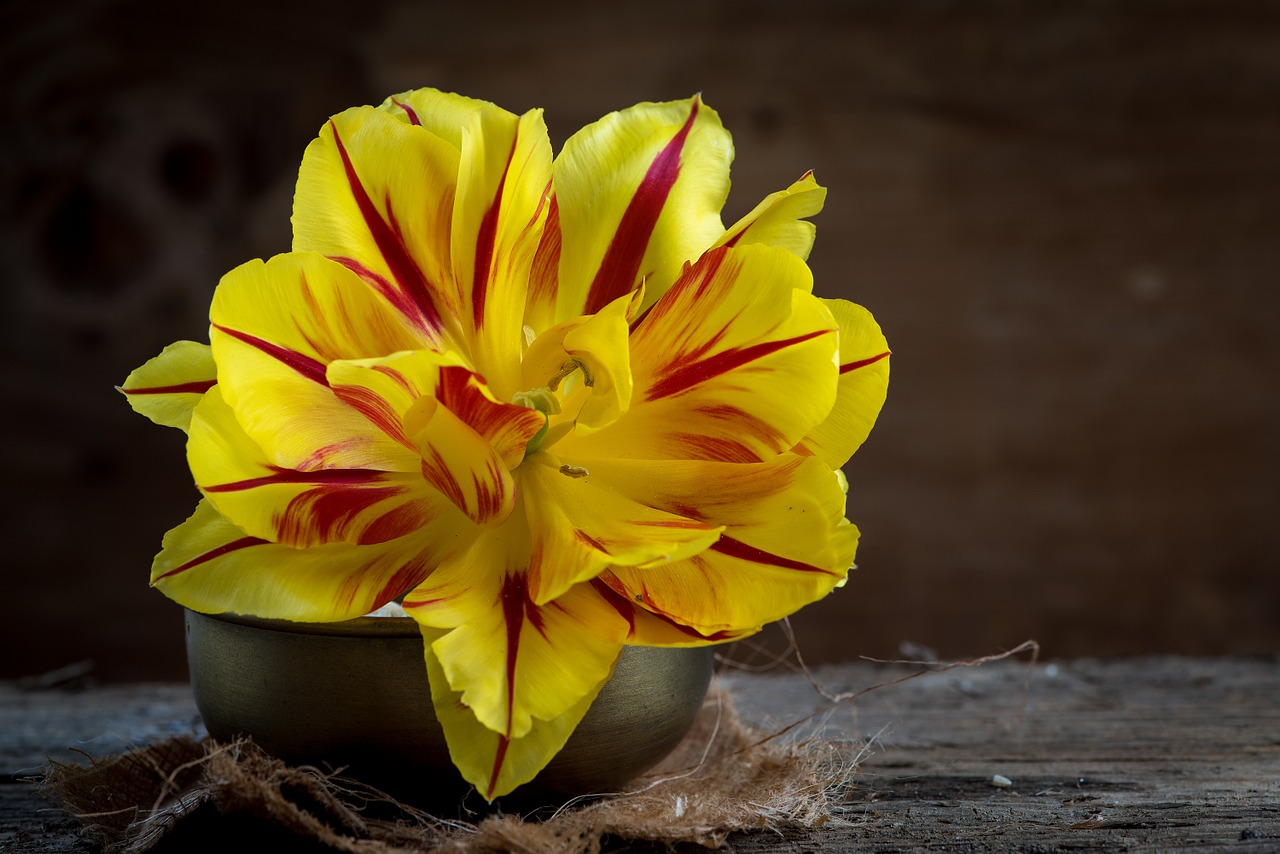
(187, 795)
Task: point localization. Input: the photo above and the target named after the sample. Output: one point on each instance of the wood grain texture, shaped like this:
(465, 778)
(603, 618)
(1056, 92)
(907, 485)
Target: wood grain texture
(1102, 755)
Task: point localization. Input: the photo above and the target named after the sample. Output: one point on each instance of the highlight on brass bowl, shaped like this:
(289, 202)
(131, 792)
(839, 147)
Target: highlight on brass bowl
(355, 695)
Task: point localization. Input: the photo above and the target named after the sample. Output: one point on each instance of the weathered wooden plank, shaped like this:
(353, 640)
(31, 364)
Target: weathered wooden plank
(1102, 755)
(1132, 754)
(65, 725)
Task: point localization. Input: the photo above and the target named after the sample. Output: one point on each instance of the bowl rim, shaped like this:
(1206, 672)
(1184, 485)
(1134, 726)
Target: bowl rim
(384, 627)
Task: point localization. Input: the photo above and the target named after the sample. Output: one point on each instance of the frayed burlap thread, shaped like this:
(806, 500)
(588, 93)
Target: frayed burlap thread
(723, 778)
(130, 799)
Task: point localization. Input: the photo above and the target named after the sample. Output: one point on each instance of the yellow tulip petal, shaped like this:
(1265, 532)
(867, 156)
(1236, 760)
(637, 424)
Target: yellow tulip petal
(376, 193)
(582, 524)
(443, 114)
(733, 587)
(275, 327)
(506, 427)
(779, 220)
(544, 277)
(639, 194)
(735, 363)
(494, 763)
(459, 463)
(599, 346)
(503, 182)
(210, 565)
(512, 661)
(303, 508)
(648, 628)
(864, 382)
(602, 344)
(384, 389)
(785, 541)
(387, 391)
(168, 387)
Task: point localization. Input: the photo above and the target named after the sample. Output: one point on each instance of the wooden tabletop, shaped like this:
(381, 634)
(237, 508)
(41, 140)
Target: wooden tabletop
(1105, 755)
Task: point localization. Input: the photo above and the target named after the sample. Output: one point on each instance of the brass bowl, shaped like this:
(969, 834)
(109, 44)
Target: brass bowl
(354, 695)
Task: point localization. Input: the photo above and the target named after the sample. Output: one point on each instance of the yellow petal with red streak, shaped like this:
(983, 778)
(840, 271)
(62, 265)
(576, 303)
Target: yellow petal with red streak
(384, 389)
(506, 427)
(648, 628)
(210, 565)
(443, 114)
(389, 390)
(544, 276)
(736, 362)
(785, 542)
(582, 524)
(492, 762)
(864, 383)
(504, 178)
(303, 508)
(275, 328)
(512, 661)
(459, 463)
(639, 194)
(377, 193)
(168, 387)
(780, 220)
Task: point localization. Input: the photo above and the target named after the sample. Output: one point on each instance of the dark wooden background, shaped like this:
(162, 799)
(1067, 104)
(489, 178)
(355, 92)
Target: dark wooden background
(1065, 216)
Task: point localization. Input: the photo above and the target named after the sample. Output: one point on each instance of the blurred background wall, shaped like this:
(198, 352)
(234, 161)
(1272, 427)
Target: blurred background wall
(1065, 216)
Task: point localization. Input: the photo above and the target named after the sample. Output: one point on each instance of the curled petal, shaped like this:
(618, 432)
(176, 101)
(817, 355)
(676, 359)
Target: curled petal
(210, 565)
(459, 463)
(506, 427)
(168, 387)
(864, 382)
(384, 389)
(736, 362)
(275, 327)
(639, 195)
(779, 220)
(303, 508)
(599, 344)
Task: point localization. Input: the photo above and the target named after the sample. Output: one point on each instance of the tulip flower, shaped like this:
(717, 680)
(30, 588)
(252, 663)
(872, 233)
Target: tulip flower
(551, 405)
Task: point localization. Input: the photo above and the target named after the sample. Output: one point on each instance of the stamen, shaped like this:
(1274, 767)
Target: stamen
(573, 471)
(568, 368)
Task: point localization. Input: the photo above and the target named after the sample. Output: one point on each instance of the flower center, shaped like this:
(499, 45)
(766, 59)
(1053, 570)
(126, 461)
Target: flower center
(547, 401)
